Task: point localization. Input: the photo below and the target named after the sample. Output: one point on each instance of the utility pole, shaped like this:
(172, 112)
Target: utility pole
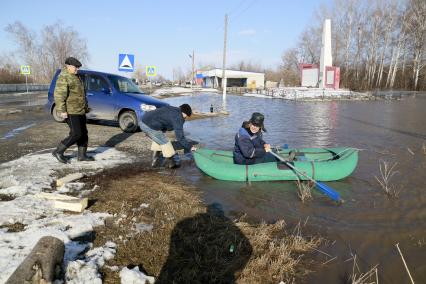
(224, 65)
(192, 75)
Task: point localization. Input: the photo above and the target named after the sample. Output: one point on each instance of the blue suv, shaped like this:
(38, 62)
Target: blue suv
(110, 97)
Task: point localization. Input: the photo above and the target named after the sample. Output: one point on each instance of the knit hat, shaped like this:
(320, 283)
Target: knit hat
(186, 109)
(257, 120)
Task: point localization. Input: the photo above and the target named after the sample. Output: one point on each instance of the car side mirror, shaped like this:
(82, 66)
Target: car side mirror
(106, 91)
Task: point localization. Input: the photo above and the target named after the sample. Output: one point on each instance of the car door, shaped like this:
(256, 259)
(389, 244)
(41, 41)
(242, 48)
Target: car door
(100, 98)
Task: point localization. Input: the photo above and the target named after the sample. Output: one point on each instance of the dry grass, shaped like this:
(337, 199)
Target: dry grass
(189, 242)
(369, 277)
(386, 173)
(304, 190)
(424, 148)
(13, 228)
(277, 255)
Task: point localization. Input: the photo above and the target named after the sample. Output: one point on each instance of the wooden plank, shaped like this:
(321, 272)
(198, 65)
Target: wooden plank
(69, 178)
(72, 205)
(55, 196)
(66, 202)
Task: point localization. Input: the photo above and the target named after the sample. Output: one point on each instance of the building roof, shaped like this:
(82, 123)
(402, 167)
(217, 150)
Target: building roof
(229, 73)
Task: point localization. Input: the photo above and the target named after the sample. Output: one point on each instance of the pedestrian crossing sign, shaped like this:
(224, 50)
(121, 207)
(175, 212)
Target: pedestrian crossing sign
(151, 71)
(126, 62)
(25, 70)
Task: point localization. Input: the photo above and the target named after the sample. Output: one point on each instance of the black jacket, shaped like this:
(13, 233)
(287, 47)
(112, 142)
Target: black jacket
(167, 118)
(248, 147)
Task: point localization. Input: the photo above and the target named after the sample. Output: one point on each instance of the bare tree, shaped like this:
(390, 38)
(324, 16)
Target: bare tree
(247, 66)
(48, 51)
(417, 32)
(290, 67)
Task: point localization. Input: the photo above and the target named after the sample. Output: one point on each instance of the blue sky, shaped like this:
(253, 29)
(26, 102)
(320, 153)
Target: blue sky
(163, 33)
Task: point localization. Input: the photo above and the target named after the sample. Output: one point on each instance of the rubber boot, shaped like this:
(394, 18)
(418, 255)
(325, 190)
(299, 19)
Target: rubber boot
(82, 156)
(59, 153)
(157, 158)
(172, 162)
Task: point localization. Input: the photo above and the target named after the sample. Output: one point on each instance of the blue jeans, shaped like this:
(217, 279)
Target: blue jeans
(157, 136)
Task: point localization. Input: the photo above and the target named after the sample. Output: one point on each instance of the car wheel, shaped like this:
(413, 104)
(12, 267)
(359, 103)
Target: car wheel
(56, 116)
(128, 121)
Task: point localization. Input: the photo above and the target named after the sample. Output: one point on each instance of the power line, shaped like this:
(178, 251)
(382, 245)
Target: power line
(243, 11)
(236, 8)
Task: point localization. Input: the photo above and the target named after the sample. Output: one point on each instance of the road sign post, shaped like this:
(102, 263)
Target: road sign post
(150, 71)
(26, 70)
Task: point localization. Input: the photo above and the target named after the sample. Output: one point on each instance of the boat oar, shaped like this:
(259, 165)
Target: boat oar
(322, 187)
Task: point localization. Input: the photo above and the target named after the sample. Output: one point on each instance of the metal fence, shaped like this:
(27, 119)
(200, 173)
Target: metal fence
(10, 88)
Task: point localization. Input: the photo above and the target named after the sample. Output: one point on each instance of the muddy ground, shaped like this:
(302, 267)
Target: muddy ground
(46, 134)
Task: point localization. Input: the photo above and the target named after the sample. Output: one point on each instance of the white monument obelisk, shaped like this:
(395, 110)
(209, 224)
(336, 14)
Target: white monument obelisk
(326, 59)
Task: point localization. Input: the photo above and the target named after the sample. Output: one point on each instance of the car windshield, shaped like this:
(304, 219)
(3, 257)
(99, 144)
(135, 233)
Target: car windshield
(124, 85)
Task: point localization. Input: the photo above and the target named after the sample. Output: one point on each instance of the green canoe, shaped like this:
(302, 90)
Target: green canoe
(321, 164)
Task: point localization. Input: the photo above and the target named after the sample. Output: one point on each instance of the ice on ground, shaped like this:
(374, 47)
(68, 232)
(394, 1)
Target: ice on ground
(303, 93)
(16, 131)
(71, 187)
(32, 173)
(134, 276)
(23, 179)
(86, 270)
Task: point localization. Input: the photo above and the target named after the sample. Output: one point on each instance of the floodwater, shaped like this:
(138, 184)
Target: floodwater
(22, 99)
(369, 224)
(22, 111)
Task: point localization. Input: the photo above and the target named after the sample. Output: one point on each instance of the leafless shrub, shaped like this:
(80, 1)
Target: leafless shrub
(386, 173)
(370, 277)
(276, 254)
(47, 51)
(304, 190)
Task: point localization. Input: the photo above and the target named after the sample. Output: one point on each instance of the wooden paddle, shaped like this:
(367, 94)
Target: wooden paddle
(322, 187)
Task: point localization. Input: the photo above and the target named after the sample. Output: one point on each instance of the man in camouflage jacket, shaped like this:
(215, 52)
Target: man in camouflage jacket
(71, 104)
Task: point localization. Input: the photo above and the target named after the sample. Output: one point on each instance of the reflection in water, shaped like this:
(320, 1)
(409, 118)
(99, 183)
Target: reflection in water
(368, 224)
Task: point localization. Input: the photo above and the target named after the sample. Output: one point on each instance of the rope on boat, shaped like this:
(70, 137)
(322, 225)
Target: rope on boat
(336, 155)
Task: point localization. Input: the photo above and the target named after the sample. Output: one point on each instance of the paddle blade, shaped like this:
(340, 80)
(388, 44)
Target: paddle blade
(328, 191)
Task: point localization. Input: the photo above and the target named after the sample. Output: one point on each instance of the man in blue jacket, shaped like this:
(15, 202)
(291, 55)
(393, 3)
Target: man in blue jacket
(155, 123)
(249, 146)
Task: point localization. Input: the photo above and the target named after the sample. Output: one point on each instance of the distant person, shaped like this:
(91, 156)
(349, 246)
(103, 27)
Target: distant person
(249, 146)
(156, 122)
(71, 105)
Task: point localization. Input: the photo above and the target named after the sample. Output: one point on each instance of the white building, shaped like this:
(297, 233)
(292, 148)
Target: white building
(213, 78)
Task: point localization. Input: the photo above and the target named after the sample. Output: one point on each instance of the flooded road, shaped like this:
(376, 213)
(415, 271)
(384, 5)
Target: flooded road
(20, 111)
(369, 223)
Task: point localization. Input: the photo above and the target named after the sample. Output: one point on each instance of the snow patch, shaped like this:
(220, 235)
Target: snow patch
(31, 174)
(134, 276)
(303, 93)
(141, 227)
(86, 270)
